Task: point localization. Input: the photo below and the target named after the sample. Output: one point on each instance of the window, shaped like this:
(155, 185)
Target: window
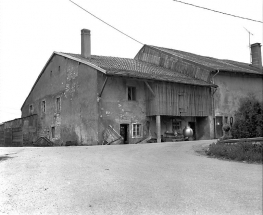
(176, 125)
(53, 132)
(30, 109)
(226, 119)
(51, 74)
(58, 104)
(136, 130)
(58, 68)
(131, 93)
(43, 106)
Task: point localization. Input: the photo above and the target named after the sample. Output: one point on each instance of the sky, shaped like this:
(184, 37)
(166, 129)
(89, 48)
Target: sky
(30, 31)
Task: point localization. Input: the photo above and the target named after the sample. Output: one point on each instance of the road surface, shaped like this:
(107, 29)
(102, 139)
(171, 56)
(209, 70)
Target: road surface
(157, 178)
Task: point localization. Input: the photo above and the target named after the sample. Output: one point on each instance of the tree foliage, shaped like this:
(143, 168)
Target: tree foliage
(248, 119)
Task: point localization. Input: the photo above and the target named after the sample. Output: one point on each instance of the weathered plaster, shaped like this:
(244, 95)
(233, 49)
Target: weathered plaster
(74, 83)
(231, 88)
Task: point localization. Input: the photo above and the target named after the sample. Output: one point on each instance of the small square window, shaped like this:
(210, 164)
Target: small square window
(131, 93)
(58, 104)
(176, 125)
(53, 134)
(43, 106)
(136, 130)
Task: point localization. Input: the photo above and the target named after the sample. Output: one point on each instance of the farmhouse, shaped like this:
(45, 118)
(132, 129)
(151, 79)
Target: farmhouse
(91, 100)
(78, 97)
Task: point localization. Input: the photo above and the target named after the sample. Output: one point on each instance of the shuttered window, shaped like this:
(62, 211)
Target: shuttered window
(58, 104)
(53, 132)
(43, 106)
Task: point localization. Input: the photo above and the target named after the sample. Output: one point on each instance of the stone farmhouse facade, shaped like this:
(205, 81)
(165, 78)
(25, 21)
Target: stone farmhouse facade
(81, 97)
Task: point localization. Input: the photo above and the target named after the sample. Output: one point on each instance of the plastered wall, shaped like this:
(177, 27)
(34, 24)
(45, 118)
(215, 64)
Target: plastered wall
(75, 84)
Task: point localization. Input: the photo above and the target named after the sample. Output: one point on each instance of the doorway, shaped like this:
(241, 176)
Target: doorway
(192, 125)
(124, 132)
(219, 125)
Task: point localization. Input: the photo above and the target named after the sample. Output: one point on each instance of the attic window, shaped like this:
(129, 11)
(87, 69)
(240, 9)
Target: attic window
(131, 93)
(51, 74)
(58, 68)
(30, 109)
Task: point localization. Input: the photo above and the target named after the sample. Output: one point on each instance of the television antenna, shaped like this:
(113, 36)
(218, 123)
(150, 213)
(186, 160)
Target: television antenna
(249, 33)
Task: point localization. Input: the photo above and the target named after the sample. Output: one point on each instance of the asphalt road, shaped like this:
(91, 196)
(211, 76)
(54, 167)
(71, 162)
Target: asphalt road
(166, 178)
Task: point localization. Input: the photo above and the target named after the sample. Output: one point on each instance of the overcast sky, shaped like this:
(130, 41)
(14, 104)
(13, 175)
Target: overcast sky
(31, 30)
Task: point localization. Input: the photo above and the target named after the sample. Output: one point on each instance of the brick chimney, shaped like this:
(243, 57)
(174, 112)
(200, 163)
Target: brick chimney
(85, 43)
(256, 55)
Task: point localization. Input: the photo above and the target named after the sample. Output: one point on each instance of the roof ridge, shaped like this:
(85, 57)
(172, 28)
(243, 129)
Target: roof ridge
(211, 64)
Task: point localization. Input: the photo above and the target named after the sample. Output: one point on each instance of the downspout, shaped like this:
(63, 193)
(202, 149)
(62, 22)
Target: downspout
(213, 103)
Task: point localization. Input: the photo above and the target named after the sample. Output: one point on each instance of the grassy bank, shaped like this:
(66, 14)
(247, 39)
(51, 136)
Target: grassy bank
(242, 151)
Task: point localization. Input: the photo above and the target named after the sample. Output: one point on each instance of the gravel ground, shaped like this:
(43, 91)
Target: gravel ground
(157, 178)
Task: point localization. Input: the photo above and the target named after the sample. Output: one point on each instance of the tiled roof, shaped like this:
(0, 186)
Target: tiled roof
(137, 69)
(213, 63)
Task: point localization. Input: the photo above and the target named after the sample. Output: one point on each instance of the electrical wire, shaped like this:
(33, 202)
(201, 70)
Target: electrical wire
(218, 11)
(107, 23)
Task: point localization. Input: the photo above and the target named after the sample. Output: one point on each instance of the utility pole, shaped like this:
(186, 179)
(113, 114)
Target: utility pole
(249, 33)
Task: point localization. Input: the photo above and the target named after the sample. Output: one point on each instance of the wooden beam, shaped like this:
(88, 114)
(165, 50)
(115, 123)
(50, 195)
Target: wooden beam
(103, 86)
(149, 87)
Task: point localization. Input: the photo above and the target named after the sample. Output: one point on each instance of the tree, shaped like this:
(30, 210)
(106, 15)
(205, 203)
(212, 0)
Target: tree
(248, 118)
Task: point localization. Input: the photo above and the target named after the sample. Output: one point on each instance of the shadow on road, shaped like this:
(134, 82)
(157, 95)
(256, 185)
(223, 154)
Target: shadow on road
(4, 157)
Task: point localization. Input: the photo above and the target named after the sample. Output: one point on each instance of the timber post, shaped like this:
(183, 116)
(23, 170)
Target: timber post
(158, 128)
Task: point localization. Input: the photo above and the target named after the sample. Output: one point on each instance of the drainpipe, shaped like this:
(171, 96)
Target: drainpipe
(213, 103)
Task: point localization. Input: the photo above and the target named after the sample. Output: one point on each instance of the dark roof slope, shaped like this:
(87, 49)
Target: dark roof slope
(213, 63)
(133, 68)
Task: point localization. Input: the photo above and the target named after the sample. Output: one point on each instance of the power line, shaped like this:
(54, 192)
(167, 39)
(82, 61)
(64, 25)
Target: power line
(218, 11)
(106, 23)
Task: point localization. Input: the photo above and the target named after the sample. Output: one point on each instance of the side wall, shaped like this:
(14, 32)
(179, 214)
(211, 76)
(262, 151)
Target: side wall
(231, 88)
(74, 85)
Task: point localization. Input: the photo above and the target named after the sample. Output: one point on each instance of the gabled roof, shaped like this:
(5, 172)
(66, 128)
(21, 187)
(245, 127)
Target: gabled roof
(134, 68)
(127, 68)
(212, 63)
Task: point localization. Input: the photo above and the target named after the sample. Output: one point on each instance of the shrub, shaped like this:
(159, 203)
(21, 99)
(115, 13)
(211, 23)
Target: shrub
(243, 151)
(248, 119)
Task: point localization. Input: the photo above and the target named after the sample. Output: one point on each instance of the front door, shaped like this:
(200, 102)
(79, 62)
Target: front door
(219, 126)
(124, 132)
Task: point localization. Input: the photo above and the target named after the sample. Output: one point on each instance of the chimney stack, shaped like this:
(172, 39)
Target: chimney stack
(256, 55)
(85, 43)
